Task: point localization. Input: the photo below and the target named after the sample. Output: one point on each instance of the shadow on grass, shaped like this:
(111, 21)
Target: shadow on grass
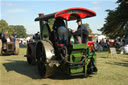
(24, 68)
(5, 54)
(125, 64)
(60, 75)
(104, 57)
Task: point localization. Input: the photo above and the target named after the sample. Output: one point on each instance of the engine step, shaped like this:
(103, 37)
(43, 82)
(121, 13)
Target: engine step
(77, 65)
(77, 74)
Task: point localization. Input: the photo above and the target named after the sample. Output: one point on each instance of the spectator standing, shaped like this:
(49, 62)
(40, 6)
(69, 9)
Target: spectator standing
(107, 43)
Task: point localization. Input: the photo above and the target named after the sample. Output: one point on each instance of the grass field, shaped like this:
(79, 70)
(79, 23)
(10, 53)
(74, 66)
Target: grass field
(14, 70)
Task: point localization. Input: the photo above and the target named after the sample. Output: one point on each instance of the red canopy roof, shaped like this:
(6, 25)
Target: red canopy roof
(75, 13)
(69, 14)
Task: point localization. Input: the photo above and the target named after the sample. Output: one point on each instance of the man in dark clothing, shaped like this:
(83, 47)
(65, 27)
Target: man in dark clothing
(62, 32)
(36, 37)
(81, 31)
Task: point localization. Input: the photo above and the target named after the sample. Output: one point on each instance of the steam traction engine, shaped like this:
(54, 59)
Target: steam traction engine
(48, 54)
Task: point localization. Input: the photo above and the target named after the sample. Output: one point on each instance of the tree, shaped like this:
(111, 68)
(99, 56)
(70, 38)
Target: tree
(19, 30)
(3, 25)
(116, 21)
(88, 28)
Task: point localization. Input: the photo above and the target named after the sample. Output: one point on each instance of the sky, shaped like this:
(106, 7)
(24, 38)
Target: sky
(23, 12)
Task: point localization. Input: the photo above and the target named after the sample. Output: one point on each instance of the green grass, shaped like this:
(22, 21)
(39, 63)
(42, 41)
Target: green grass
(112, 70)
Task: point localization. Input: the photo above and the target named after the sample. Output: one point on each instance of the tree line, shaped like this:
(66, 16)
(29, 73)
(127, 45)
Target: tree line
(19, 30)
(116, 23)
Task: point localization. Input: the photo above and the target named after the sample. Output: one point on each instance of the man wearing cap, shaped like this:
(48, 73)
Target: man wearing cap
(81, 31)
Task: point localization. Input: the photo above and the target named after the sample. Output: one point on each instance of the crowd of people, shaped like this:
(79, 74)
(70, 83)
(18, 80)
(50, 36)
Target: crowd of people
(120, 44)
(100, 45)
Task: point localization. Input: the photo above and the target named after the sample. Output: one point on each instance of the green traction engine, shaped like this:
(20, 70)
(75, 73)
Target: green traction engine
(49, 55)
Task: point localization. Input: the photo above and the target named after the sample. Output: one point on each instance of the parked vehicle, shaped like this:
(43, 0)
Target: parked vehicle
(9, 47)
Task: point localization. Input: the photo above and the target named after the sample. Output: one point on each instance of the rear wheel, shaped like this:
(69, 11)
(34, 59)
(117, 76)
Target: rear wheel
(16, 52)
(31, 60)
(95, 69)
(0, 47)
(44, 69)
(91, 67)
(41, 68)
(41, 59)
(31, 57)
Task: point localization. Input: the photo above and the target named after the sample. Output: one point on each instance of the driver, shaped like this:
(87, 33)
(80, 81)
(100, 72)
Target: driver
(81, 30)
(62, 32)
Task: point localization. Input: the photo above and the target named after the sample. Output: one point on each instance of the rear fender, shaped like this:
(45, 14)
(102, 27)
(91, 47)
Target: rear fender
(47, 48)
(31, 50)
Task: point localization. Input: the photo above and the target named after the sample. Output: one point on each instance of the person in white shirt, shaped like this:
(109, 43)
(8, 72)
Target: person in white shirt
(124, 49)
(8, 39)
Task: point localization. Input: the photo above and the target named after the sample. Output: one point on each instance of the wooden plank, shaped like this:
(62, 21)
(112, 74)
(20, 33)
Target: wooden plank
(113, 50)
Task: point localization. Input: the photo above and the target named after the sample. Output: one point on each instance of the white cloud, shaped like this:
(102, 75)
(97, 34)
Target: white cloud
(95, 8)
(17, 10)
(95, 2)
